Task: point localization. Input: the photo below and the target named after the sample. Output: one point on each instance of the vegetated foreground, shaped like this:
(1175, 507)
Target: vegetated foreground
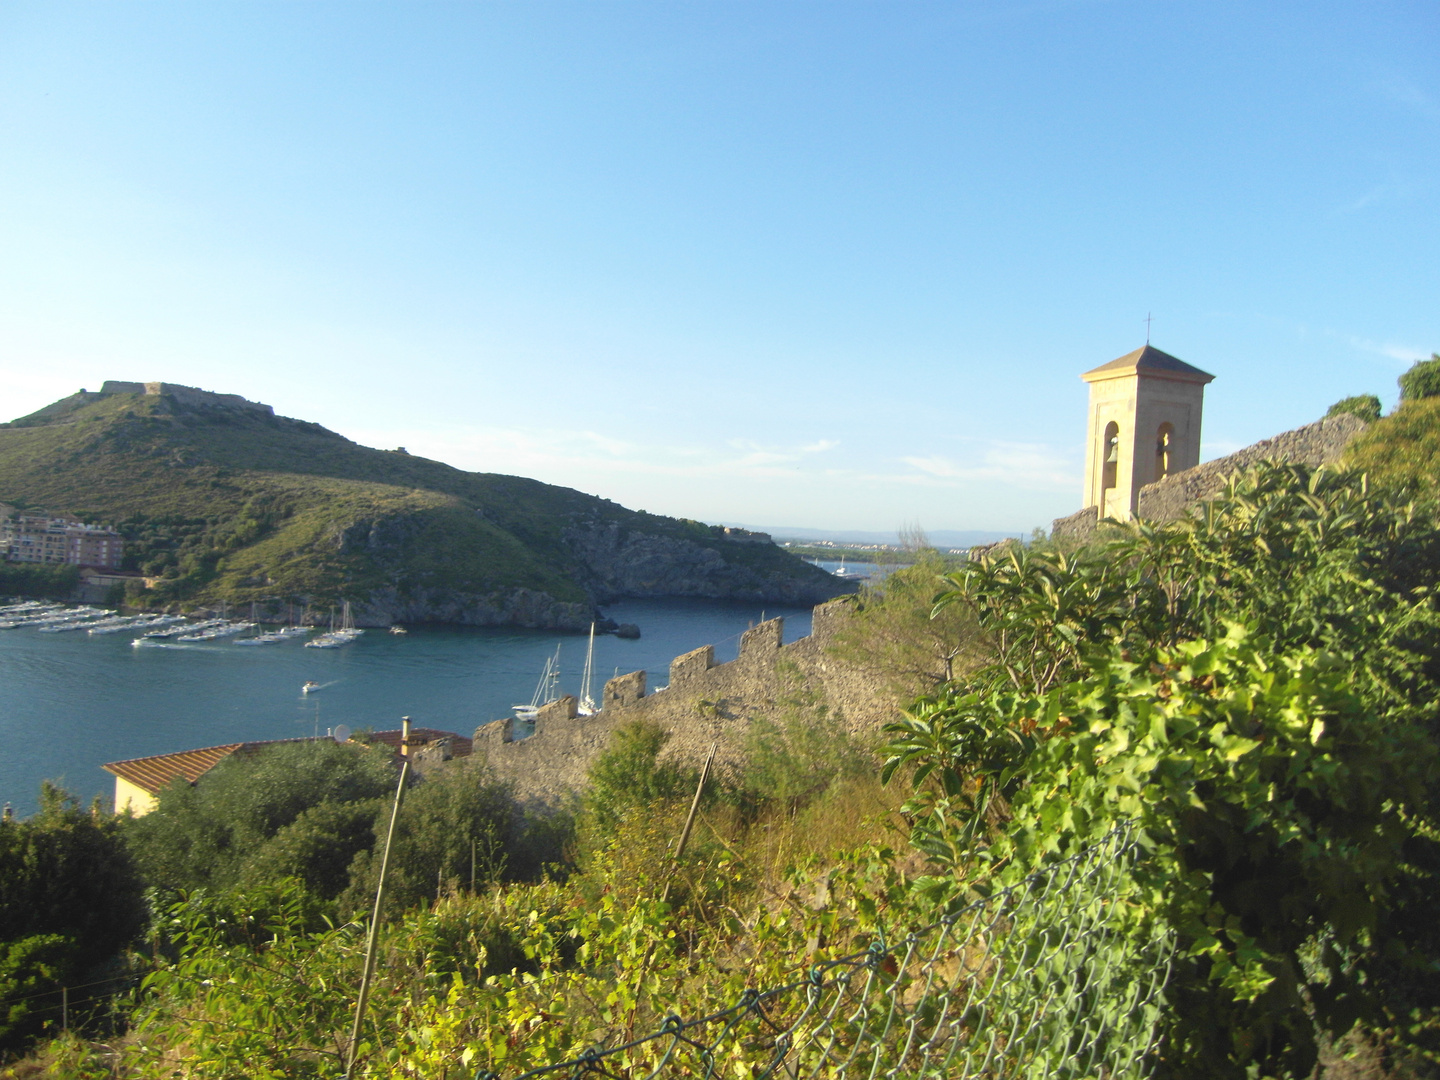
(237, 505)
(1227, 724)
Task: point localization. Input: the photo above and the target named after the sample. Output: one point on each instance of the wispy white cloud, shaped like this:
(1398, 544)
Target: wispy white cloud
(575, 457)
(1029, 465)
(548, 453)
(1397, 188)
(1406, 354)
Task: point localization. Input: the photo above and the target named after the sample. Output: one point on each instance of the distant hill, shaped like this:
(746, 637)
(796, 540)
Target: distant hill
(224, 501)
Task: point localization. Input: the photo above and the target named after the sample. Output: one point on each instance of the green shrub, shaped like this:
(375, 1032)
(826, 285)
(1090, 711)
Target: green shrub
(38, 580)
(1422, 380)
(205, 835)
(1365, 406)
(628, 775)
(31, 970)
(455, 826)
(70, 902)
(1256, 690)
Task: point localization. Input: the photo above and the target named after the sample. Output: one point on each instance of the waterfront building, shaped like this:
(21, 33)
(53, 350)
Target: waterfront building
(40, 537)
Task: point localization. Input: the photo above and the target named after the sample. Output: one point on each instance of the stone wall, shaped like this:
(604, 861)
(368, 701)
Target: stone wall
(1320, 443)
(703, 703)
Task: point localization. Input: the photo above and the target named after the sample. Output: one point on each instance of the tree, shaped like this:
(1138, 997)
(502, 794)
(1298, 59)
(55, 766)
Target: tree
(1422, 380)
(70, 901)
(893, 635)
(207, 834)
(456, 814)
(1365, 406)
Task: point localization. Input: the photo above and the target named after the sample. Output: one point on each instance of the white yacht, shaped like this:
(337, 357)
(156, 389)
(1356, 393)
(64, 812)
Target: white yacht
(546, 690)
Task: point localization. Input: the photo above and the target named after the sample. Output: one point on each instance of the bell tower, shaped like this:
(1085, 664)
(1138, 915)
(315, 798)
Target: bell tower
(1144, 425)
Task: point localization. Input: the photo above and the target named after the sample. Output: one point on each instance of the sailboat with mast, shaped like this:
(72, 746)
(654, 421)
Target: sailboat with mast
(546, 690)
(587, 706)
(346, 633)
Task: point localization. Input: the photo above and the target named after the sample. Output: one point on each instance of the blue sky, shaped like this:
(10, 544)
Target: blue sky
(824, 264)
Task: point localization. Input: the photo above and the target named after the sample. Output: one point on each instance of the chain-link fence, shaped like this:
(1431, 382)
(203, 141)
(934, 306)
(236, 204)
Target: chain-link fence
(1056, 978)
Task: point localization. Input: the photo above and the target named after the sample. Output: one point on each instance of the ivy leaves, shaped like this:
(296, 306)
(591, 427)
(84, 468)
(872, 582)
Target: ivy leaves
(1255, 688)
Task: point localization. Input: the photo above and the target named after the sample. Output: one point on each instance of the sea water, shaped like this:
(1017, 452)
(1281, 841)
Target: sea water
(70, 702)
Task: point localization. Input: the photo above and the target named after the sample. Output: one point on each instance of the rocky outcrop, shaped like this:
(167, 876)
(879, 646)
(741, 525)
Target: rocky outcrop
(620, 562)
(515, 607)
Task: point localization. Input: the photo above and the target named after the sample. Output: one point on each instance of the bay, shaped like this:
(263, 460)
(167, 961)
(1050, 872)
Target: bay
(70, 702)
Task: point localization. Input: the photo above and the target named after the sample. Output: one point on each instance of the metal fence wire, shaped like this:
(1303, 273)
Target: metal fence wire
(1057, 977)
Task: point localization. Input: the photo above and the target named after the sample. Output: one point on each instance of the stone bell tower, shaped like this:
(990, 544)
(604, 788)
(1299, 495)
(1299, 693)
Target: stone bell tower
(1144, 425)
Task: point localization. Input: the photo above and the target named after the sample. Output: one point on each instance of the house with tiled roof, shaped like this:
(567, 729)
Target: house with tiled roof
(138, 781)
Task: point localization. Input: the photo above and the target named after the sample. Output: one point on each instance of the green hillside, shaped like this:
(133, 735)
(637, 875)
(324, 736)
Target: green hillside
(234, 504)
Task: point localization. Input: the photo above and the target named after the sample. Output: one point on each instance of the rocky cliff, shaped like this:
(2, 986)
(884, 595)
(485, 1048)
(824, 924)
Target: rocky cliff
(621, 561)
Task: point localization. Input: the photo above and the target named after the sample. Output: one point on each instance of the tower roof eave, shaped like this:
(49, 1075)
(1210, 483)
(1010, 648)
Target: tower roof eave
(1148, 360)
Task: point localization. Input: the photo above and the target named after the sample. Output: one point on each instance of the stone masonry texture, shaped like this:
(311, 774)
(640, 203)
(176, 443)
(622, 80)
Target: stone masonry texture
(1320, 443)
(704, 703)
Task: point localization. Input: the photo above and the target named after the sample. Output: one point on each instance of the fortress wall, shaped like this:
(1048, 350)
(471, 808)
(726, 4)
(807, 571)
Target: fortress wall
(704, 703)
(185, 395)
(1320, 443)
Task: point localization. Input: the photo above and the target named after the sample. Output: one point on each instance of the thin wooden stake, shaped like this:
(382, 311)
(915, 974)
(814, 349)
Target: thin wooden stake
(364, 998)
(695, 803)
(64, 1008)
(689, 821)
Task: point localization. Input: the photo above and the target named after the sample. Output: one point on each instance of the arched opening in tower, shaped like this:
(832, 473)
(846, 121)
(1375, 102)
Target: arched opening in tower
(1110, 469)
(1164, 451)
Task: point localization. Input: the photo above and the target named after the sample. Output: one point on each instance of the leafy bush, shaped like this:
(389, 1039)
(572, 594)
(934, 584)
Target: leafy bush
(208, 835)
(1257, 690)
(629, 775)
(1422, 380)
(70, 901)
(1365, 406)
(893, 637)
(455, 827)
(38, 580)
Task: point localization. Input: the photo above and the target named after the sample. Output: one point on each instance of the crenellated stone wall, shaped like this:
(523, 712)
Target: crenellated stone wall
(704, 703)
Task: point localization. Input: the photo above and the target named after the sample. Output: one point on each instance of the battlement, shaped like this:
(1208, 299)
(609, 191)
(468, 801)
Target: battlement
(185, 395)
(745, 536)
(705, 704)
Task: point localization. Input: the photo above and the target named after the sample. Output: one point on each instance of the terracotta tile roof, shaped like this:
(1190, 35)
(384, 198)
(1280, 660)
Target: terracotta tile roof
(1152, 360)
(460, 745)
(153, 773)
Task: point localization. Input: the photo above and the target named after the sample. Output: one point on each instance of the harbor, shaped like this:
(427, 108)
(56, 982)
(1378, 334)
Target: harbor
(71, 701)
